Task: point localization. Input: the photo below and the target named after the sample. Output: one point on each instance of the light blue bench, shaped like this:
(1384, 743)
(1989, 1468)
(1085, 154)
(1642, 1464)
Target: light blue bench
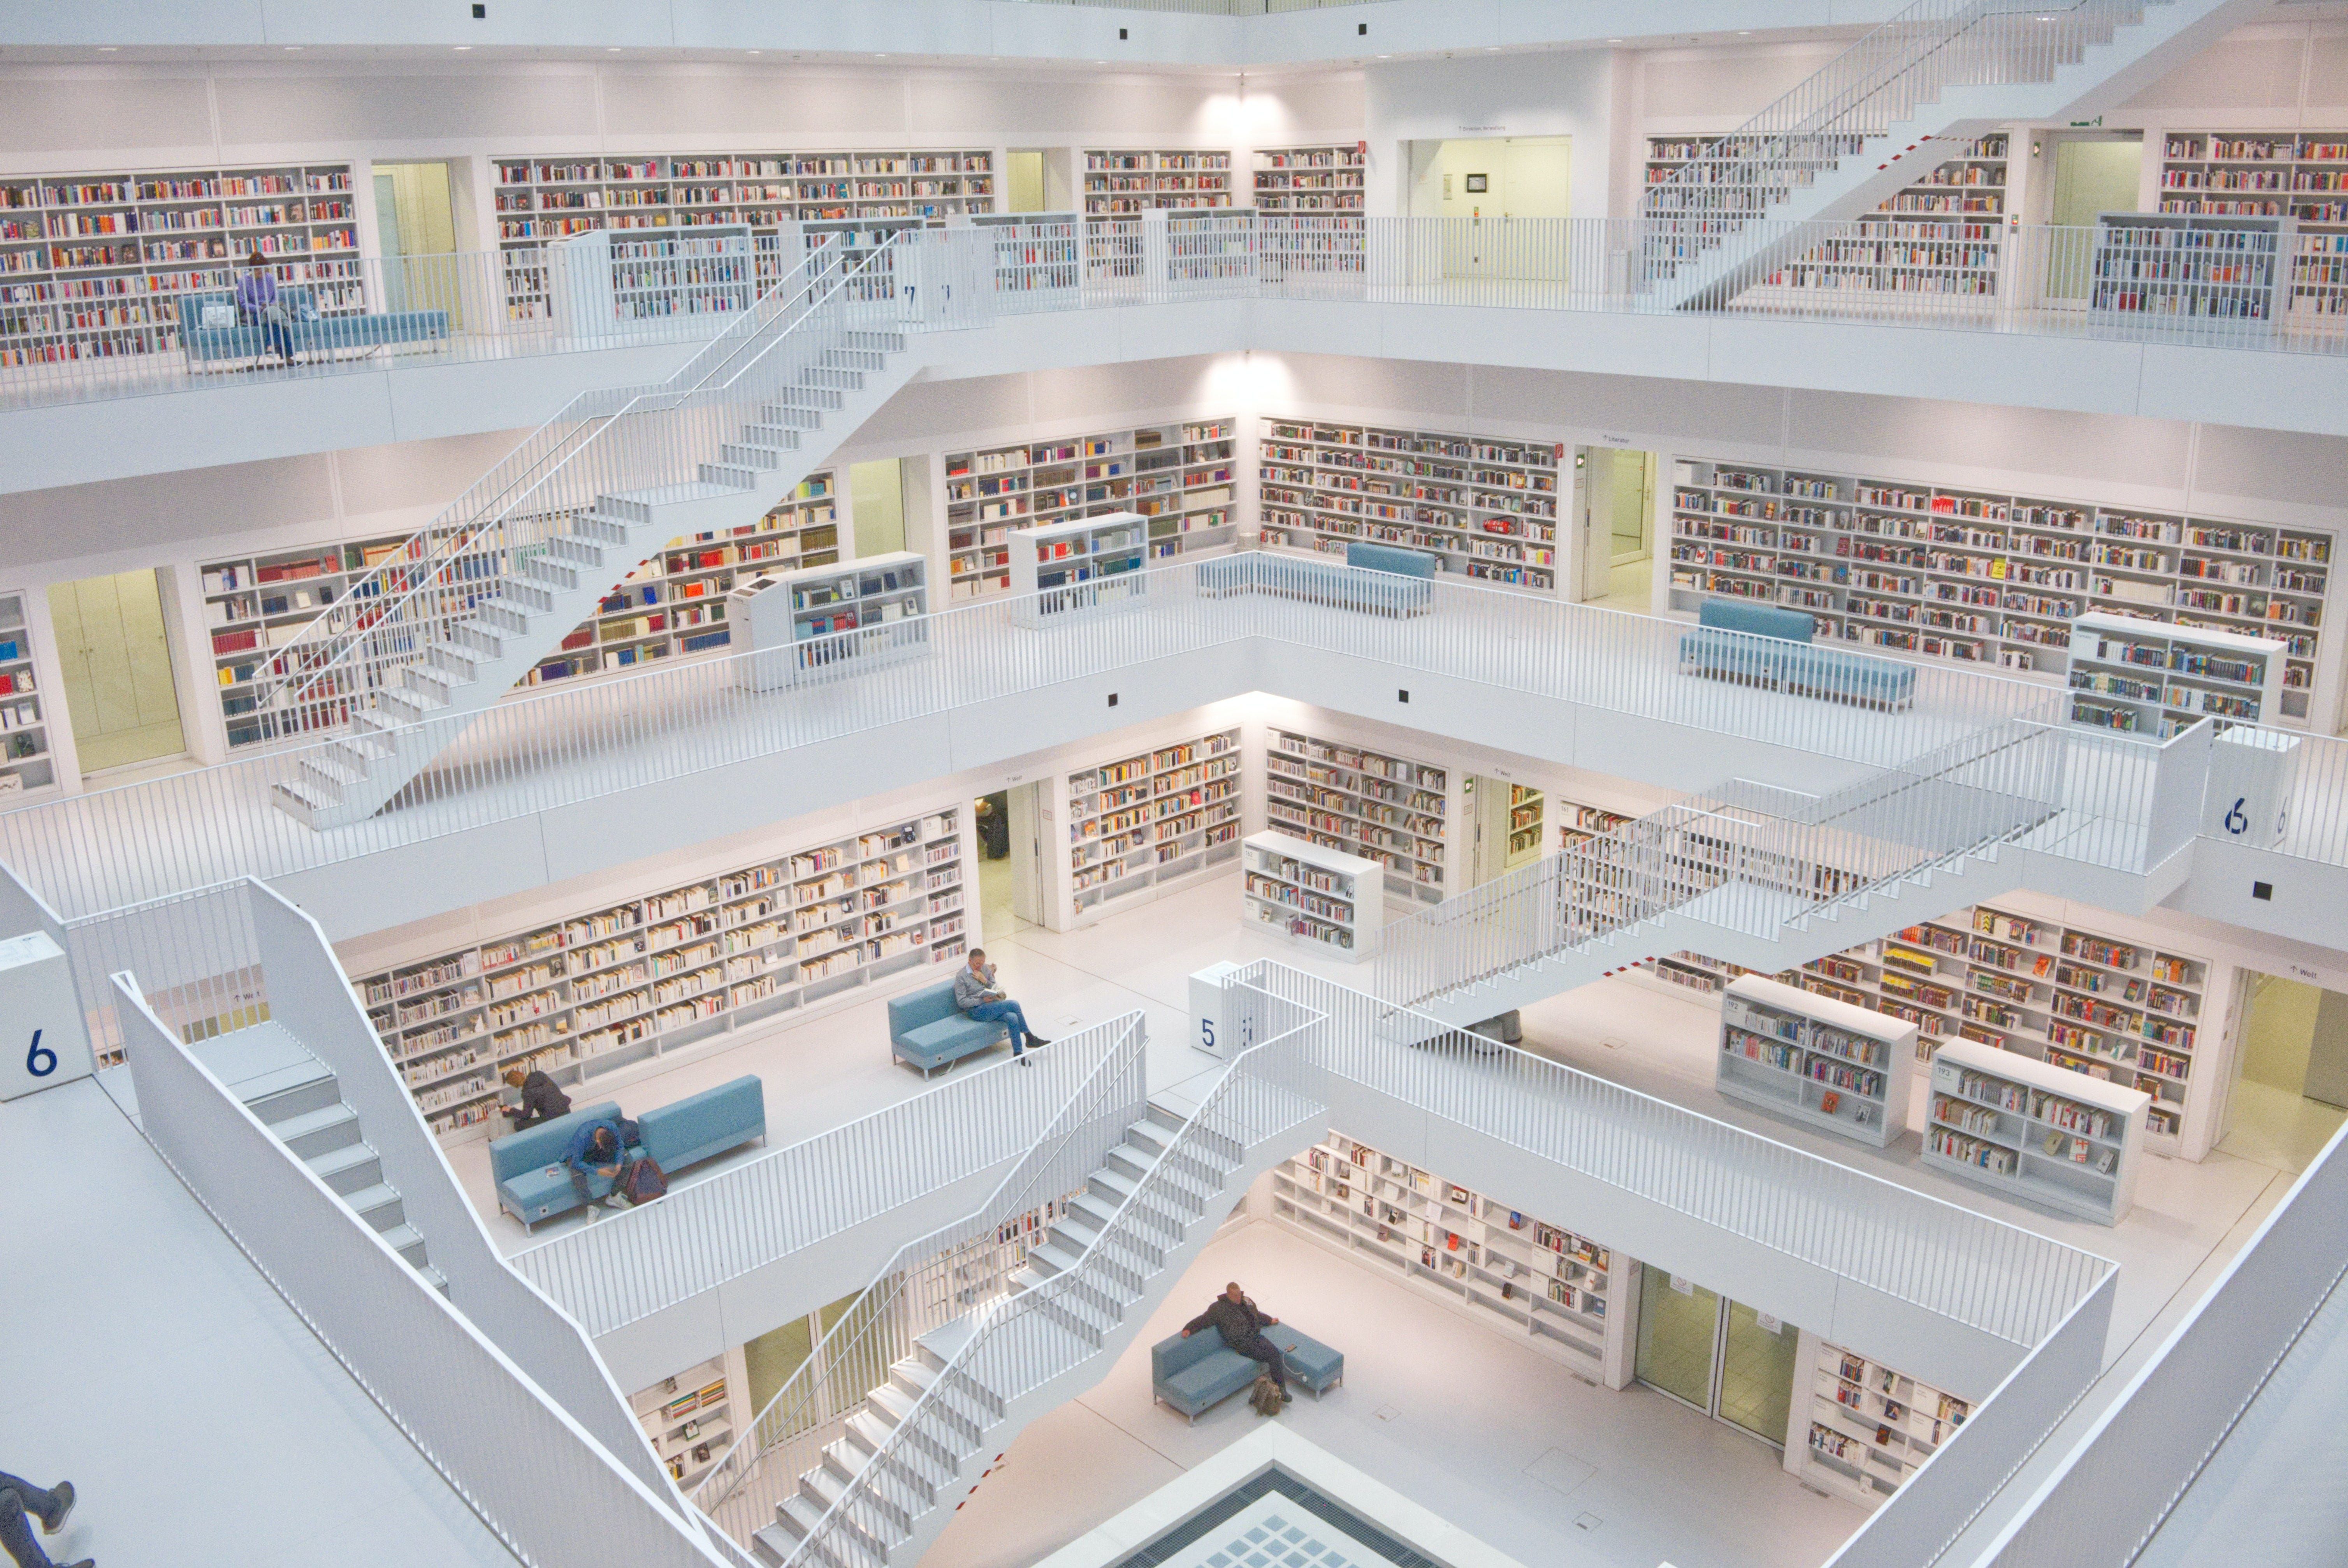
(1770, 644)
(702, 1126)
(1383, 579)
(528, 1165)
(308, 333)
(928, 1031)
(1197, 1374)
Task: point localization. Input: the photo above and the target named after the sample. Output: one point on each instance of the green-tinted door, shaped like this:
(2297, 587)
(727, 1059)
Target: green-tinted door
(117, 661)
(1757, 1372)
(2090, 178)
(1679, 1331)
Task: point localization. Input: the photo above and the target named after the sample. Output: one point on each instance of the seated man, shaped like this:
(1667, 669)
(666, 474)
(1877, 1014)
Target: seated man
(976, 993)
(1241, 1324)
(598, 1148)
(535, 1097)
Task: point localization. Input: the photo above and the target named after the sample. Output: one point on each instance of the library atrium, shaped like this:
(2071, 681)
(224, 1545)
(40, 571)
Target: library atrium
(1204, 783)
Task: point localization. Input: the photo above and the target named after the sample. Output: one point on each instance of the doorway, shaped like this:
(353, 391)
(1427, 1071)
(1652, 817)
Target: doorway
(1493, 187)
(1010, 860)
(876, 498)
(2291, 1072)
(117, 659)
(416, 225)
(1505, 831)
(1037, 179)
(1723, 1357)
(1618, 526)
(2086, 175)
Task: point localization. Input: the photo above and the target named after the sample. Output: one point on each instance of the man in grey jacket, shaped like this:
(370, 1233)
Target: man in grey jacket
(976, 993)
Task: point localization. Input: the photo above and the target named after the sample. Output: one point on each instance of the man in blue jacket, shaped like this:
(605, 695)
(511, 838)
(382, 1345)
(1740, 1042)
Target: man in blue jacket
(596, 1149)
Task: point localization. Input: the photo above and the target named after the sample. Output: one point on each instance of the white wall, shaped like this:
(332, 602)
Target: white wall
(1560, 94)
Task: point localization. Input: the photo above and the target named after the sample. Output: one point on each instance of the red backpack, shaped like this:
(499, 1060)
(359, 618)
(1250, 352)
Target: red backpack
(642, 1180)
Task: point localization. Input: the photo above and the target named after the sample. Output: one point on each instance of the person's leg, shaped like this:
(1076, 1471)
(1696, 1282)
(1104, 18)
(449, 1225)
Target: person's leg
(579, 1185)
(1256, 1347)
(17, 1509)
(1007, 1014)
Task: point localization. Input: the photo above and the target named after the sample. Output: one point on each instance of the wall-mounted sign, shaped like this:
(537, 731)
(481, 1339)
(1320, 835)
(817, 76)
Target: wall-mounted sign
(1477, 183)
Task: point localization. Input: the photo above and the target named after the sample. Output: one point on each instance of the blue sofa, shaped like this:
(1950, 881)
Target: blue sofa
(928, 1031)
(310, 333)
(1769, 645)
(1383, 579)
(1194, 1375)
(528, 1165)
(702, 1126)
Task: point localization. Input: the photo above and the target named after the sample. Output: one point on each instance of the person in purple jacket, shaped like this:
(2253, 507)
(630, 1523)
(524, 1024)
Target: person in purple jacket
(256, 301)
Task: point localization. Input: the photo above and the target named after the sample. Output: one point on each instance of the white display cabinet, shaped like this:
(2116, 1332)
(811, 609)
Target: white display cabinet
(1062, 568)
(2021, 1128)
(1039, 258)
(24, 761)
(1142, 824)
(688, 1420)
(1340, 796)
(2170, 266)
(1320, 898)
(606, 285)
(1858, 1428)
(859, 612)
(2147, 678)
(1554, 1287)
(1814, 1060)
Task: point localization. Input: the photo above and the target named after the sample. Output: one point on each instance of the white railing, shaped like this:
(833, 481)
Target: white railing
(535, 1476)
(2116, 1488)
(226, 958)
(700, 1236)
(954, 1271)
(1877, 83)
(555, 747)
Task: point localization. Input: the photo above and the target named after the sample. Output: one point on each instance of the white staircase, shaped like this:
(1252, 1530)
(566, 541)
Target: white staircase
(1891, 107)
(299, 1100)
(395, 671)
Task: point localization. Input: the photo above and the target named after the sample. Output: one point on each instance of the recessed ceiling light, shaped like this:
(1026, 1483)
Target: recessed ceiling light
(293, 49)
(1613, 40)
(108, 49)
(611, 51)
(462, 47)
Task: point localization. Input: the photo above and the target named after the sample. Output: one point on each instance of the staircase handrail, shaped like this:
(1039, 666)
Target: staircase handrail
(1875, 83)
(1117, 1245)
(474, 524)
(880, 1324)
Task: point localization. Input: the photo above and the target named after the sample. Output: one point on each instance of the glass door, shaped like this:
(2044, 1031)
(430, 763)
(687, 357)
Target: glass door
(1735, 1363)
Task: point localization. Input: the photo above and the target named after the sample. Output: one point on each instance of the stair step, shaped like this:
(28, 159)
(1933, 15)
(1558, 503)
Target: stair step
(317, 1131)
(346, 1169)
(332, 770)
(434, 1278)
(284, 1092)
(772, 1544)
(1150, 1138)
(1051, 1259)
(307, 795)
(378, 1205)
(407, 1240)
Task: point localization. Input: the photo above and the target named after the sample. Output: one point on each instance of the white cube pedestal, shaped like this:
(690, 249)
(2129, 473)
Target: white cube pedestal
(47, 1039)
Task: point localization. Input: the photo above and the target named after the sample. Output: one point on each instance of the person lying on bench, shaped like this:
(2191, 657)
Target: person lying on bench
(1241, 1324)
(977, 995)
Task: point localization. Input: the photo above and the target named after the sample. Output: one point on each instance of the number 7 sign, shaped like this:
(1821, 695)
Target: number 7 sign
(44, 1040)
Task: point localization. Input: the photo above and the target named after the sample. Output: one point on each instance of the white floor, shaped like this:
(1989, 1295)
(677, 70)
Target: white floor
(199, 1420)
(1485, 1431)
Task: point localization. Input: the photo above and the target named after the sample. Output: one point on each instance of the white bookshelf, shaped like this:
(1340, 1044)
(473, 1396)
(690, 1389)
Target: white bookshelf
(2227, 174)
(2167, 266)
(605, 282)
(1178, 476)
(1485, 509)
(1940, 235)
(114, 251)
(1321, 899)
(2147, 678)
(1814, 1060)
(1858, 1428)
(1529, 1278)
(1128, 182)
(2031, 1131)
(1060, 569)
(1149, 821)
(1344, 797)
(613, 985)
(1986, 577)
(855, 613)
(1310, 180)
(1039, 257)
(25, 763)
(689, 1419)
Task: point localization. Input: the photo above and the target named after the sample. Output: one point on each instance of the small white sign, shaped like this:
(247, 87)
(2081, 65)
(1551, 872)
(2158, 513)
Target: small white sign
(1768, 1322)
(1684, 1286)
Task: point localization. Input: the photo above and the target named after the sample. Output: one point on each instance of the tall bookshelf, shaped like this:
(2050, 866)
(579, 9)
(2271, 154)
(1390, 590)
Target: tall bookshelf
(1178, 476)
(610, 987)
(26, 764)
(1938, 236)
(1344, 797)
(1541, 1282)
(671, 605)
(1128, 181)
(1485, 508)
(1309, 180)
(688, 1420)
(1577, 823)
(1986, 577)
(1149, 820)
(114, 249)
(2303, 176)
(1860, 1427)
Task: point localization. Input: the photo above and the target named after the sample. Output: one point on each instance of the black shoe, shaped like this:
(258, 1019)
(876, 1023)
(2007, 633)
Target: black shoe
(63, 1494)
(1286, 1397)
(1036, 1042)
(1023, 1061)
